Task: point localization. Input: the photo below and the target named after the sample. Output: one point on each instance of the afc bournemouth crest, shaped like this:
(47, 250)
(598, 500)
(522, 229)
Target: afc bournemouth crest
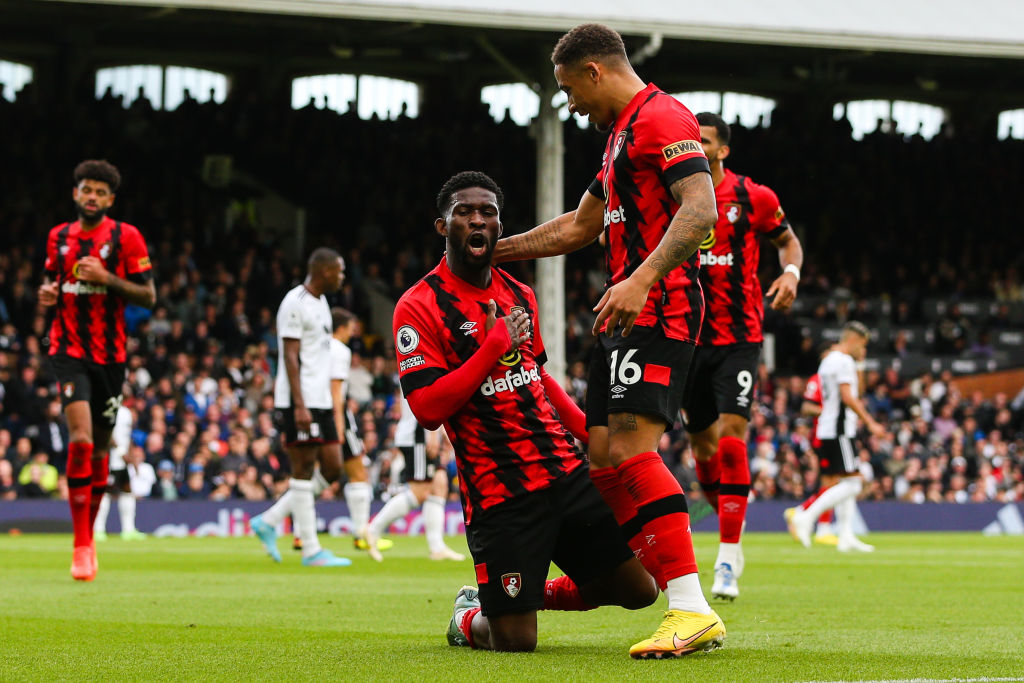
(68, 389)
(619, 141)
(733, 211)
(512, 583)
(105, 250)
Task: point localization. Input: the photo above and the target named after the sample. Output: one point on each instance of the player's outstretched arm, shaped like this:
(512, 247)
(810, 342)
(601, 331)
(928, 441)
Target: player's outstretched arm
(623, 302)
(567, 233)
(435, 403)
(791, 258)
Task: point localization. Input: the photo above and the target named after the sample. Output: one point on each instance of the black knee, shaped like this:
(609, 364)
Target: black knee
(639, 595)
(518, 643)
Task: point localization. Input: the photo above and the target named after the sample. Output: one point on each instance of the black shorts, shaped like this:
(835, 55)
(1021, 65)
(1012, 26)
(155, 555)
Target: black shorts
(723, 382)
(321, 429)
(418, 466)
(118, 480)
(837, 456)
(650, 376)
(99, 385)
(514, 543)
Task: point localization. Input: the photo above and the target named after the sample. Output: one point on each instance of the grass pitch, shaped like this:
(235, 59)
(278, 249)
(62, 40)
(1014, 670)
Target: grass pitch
(926, 606)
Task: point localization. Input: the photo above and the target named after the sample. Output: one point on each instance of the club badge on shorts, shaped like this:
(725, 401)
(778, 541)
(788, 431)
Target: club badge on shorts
(512, 583)
(68, 389)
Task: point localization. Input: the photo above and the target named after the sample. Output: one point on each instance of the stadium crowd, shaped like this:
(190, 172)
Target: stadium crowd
(201, 366)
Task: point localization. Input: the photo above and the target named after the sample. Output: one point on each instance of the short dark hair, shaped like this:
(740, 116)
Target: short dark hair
(587, 42)
(857, 327)
(100, 170)
(707, 118)
(340, 317)
(322, 256)
(460, 181)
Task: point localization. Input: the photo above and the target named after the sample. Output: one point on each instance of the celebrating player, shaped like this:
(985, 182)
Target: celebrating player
(94, 266)
(654, 200)
(118, 483)
(302, 398)
(722, 388)
(426, 485)
(837, 425)
(526, 496)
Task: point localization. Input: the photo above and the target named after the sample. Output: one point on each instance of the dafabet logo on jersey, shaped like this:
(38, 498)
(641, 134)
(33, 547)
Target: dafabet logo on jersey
(677, 149)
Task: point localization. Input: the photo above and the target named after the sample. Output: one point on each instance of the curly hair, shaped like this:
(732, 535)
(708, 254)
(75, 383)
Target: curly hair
(707, 118)
(460, 181)
(99, 170)
(587, 42)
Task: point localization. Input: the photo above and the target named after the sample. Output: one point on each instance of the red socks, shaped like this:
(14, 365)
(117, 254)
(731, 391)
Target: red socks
(661, 509)
(80, 490)
(466, 625)
(100, 472)
(564, 595)
(709, 475)
(735, 488)
(610, 487)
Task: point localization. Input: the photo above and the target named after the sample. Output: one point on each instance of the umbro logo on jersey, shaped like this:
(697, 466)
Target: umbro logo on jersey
(468, 328)
(618, 390)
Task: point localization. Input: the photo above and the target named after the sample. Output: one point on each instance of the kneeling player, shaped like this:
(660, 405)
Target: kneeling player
(527, 496)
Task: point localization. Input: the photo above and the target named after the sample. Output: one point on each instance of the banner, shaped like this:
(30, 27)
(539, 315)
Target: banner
(231, 518)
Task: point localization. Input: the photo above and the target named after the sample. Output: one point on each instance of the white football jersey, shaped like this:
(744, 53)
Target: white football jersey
(307, 318)
(120, 438)
(836, 418)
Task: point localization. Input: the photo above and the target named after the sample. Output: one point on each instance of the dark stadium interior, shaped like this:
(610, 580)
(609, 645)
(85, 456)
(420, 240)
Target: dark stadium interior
(919, 239)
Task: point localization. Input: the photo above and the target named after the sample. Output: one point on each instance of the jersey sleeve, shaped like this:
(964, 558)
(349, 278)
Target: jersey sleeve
(289, 319)
(136, 256)
(51, 252)
(418, 345)
(669, 134)
(769, 218)
(341, 360)
(846, 371)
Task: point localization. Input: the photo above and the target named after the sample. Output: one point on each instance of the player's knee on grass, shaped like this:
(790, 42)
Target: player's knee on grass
(628, 586)
(514, 632)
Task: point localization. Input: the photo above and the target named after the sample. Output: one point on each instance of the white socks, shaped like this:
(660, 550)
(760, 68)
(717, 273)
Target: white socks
(396, 508)
(100, 525)
(358, 495)
(126, 510)
(304, 513)
(319, 483)
(729, 553)
(684, 594)
(846, 488)
(281, 509)
(433, 523)
(846, 509)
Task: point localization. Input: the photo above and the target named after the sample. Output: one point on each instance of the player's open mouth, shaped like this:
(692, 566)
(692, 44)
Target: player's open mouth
(477, 244)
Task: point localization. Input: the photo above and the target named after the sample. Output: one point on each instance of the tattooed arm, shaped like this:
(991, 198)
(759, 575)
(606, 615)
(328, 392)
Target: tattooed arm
(568, 232)
(622, 303)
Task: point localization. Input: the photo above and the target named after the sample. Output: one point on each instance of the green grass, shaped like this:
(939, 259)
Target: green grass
(922, 606)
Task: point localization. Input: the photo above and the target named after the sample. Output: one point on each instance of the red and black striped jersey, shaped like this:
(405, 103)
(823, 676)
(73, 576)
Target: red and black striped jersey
(655, 142)
(507, 437)
(729, 258)
(89, 320)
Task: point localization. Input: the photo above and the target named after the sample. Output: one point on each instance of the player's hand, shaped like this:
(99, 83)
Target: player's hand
(517, 323)
(876, 429)
(620, 305)
(303, 419)
(47, 294)
(91, 269)
(784, 291)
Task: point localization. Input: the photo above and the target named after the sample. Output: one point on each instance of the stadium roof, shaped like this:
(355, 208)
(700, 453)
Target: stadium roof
(951, 27)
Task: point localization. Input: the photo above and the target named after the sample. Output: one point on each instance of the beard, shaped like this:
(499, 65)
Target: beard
(90, 215)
